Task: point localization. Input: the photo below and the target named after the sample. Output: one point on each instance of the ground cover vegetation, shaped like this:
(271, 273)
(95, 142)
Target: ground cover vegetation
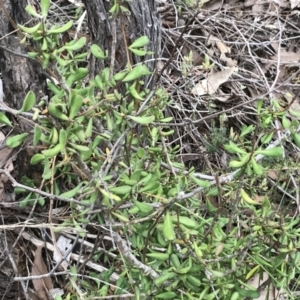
(187, 190)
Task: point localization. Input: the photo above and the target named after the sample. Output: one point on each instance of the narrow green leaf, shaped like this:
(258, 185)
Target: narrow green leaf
(247, 129)
(168, 229)
(30, 29)
(71, 193)
(201, 183)
(272, 152)
(233, 148)
(79, 74)
(137, 72)
(16, 140)
(4, 119)
(31, 10)
(142, 120)
(138, 52)
(120, 190)
(97, 52)
(76, 45)
(121, 217)
(61, 29)
(140, 42)
(45, 4)
(75, 104)
(37, 158)
(28, 102)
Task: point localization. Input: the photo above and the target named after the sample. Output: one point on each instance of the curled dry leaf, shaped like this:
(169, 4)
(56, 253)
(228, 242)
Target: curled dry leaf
(42, 285)
(211, 84)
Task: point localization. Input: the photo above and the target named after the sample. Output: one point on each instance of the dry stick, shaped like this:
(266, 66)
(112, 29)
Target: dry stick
(35, 190)
(177, 44)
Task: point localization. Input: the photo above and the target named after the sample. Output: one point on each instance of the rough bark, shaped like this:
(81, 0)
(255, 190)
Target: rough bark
(19, 75)
(142, 20)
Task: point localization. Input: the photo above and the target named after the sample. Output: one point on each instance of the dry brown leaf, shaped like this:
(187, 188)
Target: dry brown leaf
(257, 280)
(272, 174)
(229, 62)
(42, 285)
(212, 40)
(287, 57)
(222, 47)
(211, 84)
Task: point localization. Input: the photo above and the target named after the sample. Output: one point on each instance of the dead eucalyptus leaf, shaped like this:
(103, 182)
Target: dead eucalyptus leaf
(212, 40)
(229, 62)
(42, 285)
(211, 84)
(287, 57)
(222, 47)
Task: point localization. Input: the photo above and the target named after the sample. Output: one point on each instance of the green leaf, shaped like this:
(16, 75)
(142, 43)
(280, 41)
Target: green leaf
(265, 139)
(76, 45)
(71, 193)
(45, 4)
(31, 10)
(62, 62)
(51, 152)
(247, 129)
(62, 29)
(120, 190)
(158, 255)
(37, 158)
(137, 72)
(257, 168)
(16, 140)
(121, 217)
(140, 42)
(259, 105)
(233, 148)
(139, 52)
(97, 52)
(241, 163)
(296, 138)
(186, 221)
(285, 122)
(142, 120)
(143, 207)
(201, 183)
(75, 104)
(79, 74)
(28, 102)
(251, 293)
(272, 152)
(30, 29)
(4, 119)
(168, 229)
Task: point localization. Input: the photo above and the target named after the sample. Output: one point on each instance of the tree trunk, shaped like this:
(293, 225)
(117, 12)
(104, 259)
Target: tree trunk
(117, 33)
(19, 76)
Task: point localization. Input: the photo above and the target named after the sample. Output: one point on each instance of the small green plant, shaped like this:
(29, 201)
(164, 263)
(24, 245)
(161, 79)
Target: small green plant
(217, 138)
(105, 138)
